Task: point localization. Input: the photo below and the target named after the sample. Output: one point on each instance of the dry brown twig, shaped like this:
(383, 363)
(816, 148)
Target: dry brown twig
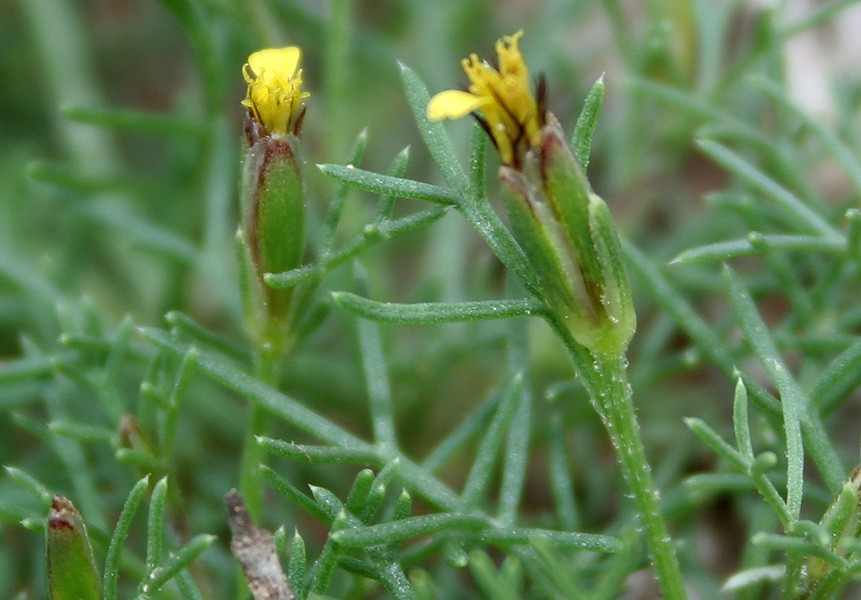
(254, 548)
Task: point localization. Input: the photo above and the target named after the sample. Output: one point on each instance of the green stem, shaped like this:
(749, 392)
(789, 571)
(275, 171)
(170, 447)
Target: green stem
(606, 380)
(616, 408)
(250, 479)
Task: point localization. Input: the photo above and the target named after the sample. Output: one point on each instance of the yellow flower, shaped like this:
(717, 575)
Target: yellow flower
(508, 109)
(275, 93)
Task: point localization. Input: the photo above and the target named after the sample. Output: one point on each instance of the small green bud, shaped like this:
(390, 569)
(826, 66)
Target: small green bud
(272, 231)
(570, 239)
(71, 567)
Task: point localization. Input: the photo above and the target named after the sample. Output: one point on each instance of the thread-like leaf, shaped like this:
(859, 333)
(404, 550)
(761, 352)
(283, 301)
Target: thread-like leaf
(115, 548)
(435, 137)
(386, 185)
(436, 312)
(581, 141)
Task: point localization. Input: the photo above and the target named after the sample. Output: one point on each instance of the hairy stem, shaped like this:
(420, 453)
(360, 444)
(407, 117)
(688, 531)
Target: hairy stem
(250, 483)
(606, 380)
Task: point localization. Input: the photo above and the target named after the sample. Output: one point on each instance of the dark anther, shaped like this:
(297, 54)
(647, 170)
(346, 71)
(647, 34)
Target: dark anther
(541, 97)
(486, 128)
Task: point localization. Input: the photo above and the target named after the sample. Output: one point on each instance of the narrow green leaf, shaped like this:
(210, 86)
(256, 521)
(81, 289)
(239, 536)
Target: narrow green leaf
(115, 548)
(714, 441)
(386, 185)
(840, 521)
(145, 234)
(397, 531)
(336, 206)
(488, 580)
(740, 422)
(717, 252)
(371, 235)
(155, 525)
(581, 141)
(360, 490)
(792, 398)
(744, 170)
(179, 560)
(468, 428)
(482, 469)
(845, 156)
(478, 163)
(374, 368)
(141, 459)
(397, 168)
(561, 539)
(32, 485)
(184, 324)
(403, 506)
(72, 180)
(550, 567)
(754, 576)
(454, 554)
(787, 543)
(804, 243)
(433, 133)
(499, 239)
(319, 454)
(175, 402)
(377, 493)
(517, 440)
(715, 483)
(327, 560)
(436, 312)
(135, 121)
(853, 232)
(682, 99)
(561, 483)
(19, 370)
(838, 379)
(297, 565)
(293, 495)
(84, 433)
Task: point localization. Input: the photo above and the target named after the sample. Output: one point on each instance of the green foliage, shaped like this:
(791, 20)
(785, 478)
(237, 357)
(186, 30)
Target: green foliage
(460, 458)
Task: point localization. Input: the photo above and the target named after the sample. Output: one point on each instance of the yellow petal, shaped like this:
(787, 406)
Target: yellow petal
(453, 104)
(283, 61)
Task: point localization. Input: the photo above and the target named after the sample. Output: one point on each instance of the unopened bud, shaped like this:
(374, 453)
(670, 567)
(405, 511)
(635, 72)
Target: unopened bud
(272, 229)
(569, 237)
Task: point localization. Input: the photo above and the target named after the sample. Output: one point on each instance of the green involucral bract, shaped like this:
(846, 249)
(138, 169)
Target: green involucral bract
(273, 228)
(568, 235)
(71, 568)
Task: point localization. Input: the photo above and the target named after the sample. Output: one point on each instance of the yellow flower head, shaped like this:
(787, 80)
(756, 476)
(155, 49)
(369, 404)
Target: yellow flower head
(275, 93)
(508, 109)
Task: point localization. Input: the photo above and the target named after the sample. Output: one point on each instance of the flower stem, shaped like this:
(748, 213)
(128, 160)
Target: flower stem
(249, 470)
(606, 380)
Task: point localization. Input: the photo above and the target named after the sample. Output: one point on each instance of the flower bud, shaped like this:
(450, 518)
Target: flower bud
(71, 568)
(272, 230)
(568, 235)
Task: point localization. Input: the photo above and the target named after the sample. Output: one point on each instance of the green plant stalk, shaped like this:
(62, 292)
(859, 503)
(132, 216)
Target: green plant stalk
(250, 477)
(606, 380)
